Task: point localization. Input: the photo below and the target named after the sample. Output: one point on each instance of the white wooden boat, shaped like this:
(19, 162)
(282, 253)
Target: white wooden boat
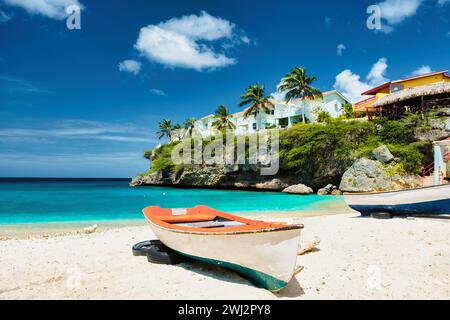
(433, 200)
(263, 252)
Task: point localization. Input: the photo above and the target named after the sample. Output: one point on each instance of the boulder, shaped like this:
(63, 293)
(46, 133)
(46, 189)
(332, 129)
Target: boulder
(90, 229)
(364, 175)
(383, 154)
(153, 178)
(336, 192)
(274, 184)
(367, 175)
(328, 189)
(298, 189)
(136, 181)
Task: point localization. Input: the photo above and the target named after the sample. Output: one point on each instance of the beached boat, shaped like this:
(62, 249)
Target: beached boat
(263, 252)
(433, 200)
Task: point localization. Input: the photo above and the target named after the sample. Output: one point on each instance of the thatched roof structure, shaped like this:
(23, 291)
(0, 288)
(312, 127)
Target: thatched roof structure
(422, 91)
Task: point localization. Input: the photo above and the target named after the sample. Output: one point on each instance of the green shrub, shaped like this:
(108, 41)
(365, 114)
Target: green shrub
(321, 153)
(322, 115)
(311, 150)
(347, 111)
(162, 159)
(412, 155)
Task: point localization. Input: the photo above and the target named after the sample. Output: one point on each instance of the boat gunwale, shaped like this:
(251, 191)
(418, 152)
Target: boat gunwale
(227, 233)
(392, 191)
(259, 226)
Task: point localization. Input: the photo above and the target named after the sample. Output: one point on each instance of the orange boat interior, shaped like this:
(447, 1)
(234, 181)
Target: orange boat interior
(205, 219)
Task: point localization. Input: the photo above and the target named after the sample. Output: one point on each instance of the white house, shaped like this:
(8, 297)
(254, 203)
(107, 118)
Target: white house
(288, 114)
(282, 116)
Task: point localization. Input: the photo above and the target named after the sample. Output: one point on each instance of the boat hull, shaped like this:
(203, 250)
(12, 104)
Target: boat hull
(266, 258)
(422, 201)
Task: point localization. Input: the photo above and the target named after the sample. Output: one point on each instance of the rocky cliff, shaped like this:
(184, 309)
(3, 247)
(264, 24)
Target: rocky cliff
(217, 176)
(356, 156)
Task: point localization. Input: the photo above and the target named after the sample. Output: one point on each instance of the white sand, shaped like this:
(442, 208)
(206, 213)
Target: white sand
(357, 258)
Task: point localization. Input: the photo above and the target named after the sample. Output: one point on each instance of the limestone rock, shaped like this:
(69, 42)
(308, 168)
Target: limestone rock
(336, 192)
(90, 229)
(328, 189)
(364, 176)
(367, 175)
(383, 154)
(298, 189)
(274, 184)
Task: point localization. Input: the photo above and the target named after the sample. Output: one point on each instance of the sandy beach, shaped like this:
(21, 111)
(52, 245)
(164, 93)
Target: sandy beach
(357, 258)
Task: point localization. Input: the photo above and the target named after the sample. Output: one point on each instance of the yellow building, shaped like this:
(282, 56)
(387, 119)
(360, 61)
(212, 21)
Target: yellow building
(391, 87)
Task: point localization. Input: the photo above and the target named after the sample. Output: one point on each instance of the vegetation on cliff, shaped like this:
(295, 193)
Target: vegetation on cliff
(320, 153)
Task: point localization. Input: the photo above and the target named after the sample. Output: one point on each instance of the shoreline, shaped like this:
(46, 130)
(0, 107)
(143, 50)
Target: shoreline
(357, 258)
(12, 231)
(16, 231)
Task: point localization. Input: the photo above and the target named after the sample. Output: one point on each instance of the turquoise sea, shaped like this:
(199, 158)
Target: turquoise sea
(78, 200)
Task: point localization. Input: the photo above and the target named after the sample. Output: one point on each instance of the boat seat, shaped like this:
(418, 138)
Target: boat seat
(211, 224)
(205, 224)
(188, 218)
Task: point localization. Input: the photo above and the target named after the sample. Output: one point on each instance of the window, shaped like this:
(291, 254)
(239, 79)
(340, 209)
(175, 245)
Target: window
(396, 87)
(254, 125)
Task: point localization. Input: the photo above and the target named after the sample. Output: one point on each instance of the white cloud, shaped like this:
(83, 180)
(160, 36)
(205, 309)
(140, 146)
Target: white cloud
(130, 66)
(76, 129)
(180, 42)
(4, 17)
(27, 158)
(13, 85)
(54, 9)
(394, 12)
(351, 85)
(421, 70)
(79, 164)
(377, 74)
(340, 48)
(158, 92)
(201, 27)
(246, 39)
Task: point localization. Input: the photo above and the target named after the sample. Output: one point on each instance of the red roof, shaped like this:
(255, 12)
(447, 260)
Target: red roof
(364, 101)
(387, 84)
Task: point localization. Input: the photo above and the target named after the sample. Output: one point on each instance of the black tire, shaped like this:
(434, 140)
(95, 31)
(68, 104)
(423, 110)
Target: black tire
(160, 254)
(381, 215)
(141, 248)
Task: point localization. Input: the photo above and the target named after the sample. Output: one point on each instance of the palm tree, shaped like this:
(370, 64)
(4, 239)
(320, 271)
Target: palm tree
(223, 119)
(297, 85)
(189, 126)
(258, 101)
(165, 129)
(177, 130)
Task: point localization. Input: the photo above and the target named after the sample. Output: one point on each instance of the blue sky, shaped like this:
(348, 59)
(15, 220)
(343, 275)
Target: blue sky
(86, 103)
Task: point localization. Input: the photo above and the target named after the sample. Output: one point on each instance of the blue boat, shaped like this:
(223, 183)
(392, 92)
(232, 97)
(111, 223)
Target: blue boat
(433, 200)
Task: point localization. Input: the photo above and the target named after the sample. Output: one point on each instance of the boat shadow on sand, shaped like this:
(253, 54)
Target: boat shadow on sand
(292, 290)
